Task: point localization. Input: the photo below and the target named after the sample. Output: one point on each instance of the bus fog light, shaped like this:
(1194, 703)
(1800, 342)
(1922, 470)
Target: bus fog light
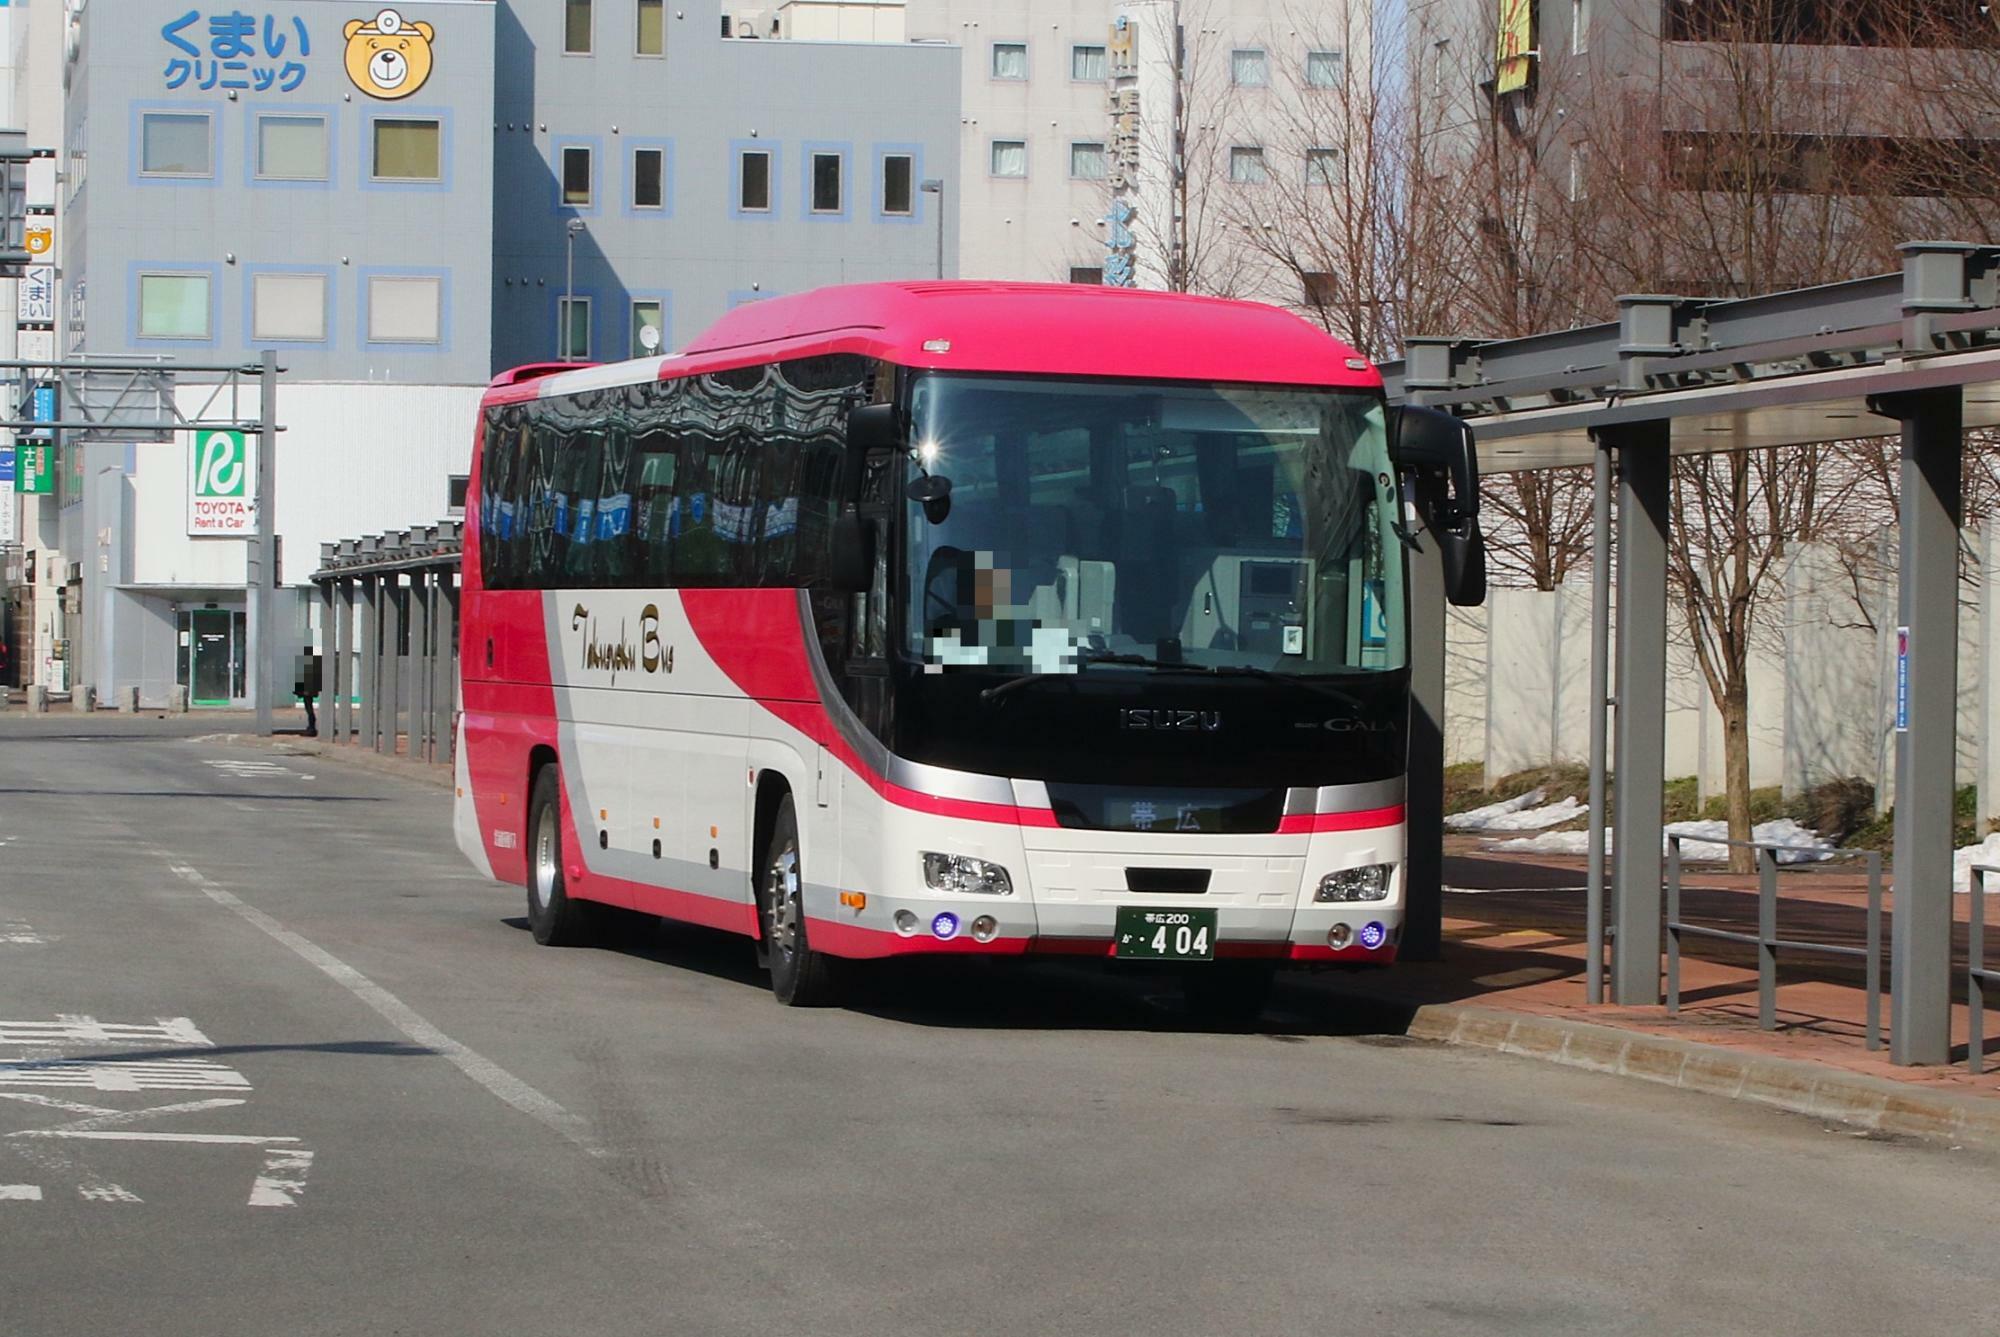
(1339, 936)
(1370, 882)
(906, 922)
(963, 875)
(985, 928)
(1373, 935)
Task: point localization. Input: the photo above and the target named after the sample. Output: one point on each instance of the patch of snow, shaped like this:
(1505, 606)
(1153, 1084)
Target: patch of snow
(1987, 852)
(1513, 815)
(1801, 844)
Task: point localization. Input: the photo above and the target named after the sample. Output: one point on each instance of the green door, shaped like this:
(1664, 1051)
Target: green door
(213, 649)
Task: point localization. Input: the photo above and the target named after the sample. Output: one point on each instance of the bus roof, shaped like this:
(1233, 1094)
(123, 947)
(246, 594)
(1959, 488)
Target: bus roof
(1025, 328)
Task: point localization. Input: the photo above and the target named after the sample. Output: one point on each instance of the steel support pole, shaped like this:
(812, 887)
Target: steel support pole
(388, 715)
(1926, 722)
(1600, 691)
(368, 665)
(444, 633)
(262, 572)
(1423, 869)
(1643, 465)
(338, 678)
(420, 663)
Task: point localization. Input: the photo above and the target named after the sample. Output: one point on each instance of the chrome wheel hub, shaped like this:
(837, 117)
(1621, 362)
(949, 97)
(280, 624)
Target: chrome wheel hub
(544, 879)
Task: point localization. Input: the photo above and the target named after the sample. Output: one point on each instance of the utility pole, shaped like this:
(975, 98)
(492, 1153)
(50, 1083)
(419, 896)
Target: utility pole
(1177, 166)
(263, 571)
(935, 186)
(567, 353)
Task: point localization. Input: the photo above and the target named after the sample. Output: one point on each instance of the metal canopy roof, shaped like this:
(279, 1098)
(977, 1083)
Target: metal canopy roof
(421, 548)
(1729, 374)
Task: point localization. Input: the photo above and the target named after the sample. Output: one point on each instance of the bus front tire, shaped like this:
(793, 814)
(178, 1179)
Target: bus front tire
(800, 976)
(555, 919)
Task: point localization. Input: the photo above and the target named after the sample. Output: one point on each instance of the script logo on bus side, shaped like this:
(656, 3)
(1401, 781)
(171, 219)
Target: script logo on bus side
(620, 655)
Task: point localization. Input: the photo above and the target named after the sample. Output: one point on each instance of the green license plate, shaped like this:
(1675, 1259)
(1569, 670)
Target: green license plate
(1165, 935)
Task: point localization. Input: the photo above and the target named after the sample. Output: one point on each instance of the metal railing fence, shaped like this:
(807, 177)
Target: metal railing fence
(1766, 939)
(1977, 976)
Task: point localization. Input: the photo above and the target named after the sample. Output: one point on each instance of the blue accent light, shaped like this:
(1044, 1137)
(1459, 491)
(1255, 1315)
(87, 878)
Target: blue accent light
(945, 926)
(1373, 935)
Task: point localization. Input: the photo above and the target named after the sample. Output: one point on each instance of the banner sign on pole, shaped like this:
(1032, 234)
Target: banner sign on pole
(221, 498)
(35, 469)
(1902, 680)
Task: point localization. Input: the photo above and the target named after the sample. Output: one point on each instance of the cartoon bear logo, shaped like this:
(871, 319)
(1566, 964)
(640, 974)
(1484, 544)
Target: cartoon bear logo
(387, 56)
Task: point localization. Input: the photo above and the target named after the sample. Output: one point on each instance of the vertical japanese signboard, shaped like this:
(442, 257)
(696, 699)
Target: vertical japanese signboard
(1122, 154)
(35, 469)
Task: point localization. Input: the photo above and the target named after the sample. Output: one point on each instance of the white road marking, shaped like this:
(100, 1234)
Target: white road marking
(15, 933)
(255, 770)
(20, 1192)
(189, 1074)
(76, 1030)
(106, 1193)
(284, 1176)
(502, 1084)
(114, 1135)
(107, 1118)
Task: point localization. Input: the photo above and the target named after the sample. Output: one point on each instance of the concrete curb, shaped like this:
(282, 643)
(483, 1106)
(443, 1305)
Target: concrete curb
(1850, 1098)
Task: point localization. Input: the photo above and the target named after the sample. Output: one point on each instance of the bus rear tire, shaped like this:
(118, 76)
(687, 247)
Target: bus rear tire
(1229, 993)
(800, 976)
(554, 919)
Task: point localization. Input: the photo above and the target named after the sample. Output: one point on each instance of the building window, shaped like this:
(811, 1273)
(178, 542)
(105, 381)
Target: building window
(1010, 157)
(175, 144)
(1086, 161)
(288, 306)
(576, 184)
(1248, 68)
(405, 310)
(1246, 166)
(648, 314)
(826, 197)
(754, 181)
(898, 177)
(1579, 27)
(291, 148)
(576, 27)
(455, 487)
(1010, 60)
(1321, 289)
(1325, 69)
(1089, 64)
(652, 28)
(408, 150)
(649, 175)
(173, 306)
(1086, 274)
(573, 328)
(1322, 167)
(1579, 172)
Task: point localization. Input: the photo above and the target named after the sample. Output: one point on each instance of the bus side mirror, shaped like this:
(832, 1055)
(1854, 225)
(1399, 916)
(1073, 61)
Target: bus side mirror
(853, 566)
(874, 427)
(1436, 451)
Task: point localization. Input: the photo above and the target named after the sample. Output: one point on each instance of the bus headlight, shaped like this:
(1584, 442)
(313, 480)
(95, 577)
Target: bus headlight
(963, 875)
(1370, 882)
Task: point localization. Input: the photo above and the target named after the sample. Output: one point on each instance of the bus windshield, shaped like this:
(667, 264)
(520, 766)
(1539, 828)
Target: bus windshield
(1156, 525)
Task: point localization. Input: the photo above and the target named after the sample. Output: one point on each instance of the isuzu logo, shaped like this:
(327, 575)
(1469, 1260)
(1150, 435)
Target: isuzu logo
(1170, 721)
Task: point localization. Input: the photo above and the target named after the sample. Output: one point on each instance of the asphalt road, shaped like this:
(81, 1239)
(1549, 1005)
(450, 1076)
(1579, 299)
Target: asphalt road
(273, 1060)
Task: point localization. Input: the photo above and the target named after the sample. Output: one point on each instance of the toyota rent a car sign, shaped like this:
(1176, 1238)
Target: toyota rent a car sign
(221, 500)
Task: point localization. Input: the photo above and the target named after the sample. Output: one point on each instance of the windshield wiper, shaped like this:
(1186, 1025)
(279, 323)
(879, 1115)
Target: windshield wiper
(1084, 657)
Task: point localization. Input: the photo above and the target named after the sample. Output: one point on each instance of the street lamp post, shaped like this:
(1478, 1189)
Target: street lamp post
(568, 349)
(935, 186)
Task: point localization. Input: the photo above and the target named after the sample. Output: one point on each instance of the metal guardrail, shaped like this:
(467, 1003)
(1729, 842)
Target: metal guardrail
(1977, 976)
(1766, 939)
